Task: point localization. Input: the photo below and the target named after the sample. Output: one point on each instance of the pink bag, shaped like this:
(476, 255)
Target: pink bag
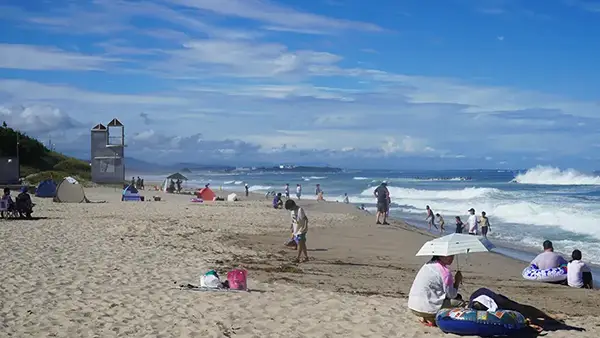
(237, 279)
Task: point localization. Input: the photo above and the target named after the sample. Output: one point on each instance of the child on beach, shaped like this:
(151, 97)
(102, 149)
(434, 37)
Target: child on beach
(441, 222)
(459, 225)
(298, 191)
(277, 202)
(299, 228)
(579, 274)
(484, 222)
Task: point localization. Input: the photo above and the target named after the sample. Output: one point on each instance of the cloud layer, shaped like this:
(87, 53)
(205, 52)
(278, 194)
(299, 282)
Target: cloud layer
(257, 81)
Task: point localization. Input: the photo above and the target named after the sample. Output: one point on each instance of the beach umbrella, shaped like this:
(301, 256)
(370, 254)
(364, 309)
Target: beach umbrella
(455, 244)
(177, 176)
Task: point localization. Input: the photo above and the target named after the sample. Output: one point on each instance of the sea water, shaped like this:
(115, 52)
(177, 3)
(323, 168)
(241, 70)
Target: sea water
(524, 207)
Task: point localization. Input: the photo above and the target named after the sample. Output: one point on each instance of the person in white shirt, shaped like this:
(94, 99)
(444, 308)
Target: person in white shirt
(472, 222)
(298, 191)
(548, 259)
(299, 228)
(579, 274)
(434, 288)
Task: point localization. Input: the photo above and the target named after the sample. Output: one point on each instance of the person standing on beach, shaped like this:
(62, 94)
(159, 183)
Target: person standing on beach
(459, 225)
(430, 218)
(382, 194)
(299, 228)
(472, 221)
(318, 191)
(441, 222)
(298, 191)
(485, 224)
(346, 199)
(286, 190)
(247, 189)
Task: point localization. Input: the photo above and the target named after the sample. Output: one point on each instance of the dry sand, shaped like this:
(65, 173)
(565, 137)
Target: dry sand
(105, 270)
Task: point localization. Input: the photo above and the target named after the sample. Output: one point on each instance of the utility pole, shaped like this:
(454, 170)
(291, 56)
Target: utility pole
(18, 158)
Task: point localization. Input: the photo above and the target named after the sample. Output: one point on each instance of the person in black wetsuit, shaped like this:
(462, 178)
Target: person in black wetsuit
(383, 206)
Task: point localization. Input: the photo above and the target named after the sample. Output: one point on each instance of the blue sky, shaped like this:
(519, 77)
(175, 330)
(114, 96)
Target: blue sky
(406, 84)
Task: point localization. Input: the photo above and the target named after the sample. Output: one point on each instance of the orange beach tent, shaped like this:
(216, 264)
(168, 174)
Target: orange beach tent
(206, 194)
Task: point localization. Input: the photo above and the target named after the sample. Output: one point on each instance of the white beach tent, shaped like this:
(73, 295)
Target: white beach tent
(232, 197)
(70, 191)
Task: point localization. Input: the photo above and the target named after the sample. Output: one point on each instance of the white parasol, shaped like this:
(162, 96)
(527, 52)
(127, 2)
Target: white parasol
(455, 244)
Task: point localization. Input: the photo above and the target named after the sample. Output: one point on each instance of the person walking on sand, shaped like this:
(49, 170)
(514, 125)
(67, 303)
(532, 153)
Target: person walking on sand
(472, 222)
(430, 219)
(382, 194)
(484, 221)
(247, 189)
(298, 191)
(299, 229)
(441, 222)
(286, 190)
(346, 199)
(318, 191)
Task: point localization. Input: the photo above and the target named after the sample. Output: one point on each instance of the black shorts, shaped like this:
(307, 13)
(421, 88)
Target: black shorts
(383, 207)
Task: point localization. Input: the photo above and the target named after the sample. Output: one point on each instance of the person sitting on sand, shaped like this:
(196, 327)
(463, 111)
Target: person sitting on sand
(434, 288)
(277, 202)
(579, 274)
(10, 204)
(548, 259)
(23, 204)
(299, 228)
(459, 225)
(441, 222)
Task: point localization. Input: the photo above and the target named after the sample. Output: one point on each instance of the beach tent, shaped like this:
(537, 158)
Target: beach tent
(67, 192)
(46, 188)
(130, 193)
(174, 177)
(232, 197)
(206, 194)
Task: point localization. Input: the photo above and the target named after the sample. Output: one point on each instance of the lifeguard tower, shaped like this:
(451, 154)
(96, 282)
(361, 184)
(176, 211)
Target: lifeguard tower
(108, 152)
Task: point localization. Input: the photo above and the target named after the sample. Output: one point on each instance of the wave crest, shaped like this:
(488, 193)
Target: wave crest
(418, 194)
(541, 175)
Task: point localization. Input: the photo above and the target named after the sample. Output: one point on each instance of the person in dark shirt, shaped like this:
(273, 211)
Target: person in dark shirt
(277, 202)
(383, 206)
(459, 225)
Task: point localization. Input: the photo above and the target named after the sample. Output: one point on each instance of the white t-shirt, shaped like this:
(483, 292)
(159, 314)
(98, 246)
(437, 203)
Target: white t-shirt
(298, 189)
(575, 270)
(548, 260)
(431, 286)
(299, 221)
(472, 222)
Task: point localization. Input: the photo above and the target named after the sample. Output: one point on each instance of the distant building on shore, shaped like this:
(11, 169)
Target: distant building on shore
(108, 152)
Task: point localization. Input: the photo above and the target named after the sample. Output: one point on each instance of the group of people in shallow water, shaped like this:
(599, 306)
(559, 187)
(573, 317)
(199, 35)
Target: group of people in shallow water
(476, 224)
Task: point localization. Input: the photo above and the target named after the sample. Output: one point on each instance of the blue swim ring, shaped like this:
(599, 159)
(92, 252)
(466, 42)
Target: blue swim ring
(470, 322)
(533, 273)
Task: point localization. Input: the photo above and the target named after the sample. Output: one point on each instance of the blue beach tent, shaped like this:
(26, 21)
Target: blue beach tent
(46, 188)
(130, 193)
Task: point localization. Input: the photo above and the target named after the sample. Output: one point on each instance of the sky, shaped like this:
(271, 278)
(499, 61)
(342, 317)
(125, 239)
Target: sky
(380, 84)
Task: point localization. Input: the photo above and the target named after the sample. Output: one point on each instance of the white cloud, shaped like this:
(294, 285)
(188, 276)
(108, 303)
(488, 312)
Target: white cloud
(500, 38)
(276, 15)
(37, 119)
(406, 144)
(15, 56)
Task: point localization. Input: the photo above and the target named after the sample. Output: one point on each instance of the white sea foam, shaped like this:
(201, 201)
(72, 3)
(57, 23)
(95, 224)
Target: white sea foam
(462, 194)
(553, 176)
(360, 178)
(260, 188)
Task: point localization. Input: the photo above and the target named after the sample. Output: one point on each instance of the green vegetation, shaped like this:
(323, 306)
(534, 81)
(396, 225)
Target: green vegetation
(38, 162)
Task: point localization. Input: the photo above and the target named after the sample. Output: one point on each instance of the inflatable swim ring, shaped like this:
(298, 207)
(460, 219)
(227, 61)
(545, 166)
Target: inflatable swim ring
(549, 275)
(471, 322)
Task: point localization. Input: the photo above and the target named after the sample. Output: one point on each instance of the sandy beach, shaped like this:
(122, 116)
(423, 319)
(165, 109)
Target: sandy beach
(113, 270)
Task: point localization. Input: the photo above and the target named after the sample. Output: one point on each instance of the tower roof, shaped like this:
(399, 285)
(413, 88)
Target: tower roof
(115, 123)
(99, 126)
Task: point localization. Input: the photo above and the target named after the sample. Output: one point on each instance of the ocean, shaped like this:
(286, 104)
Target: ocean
(525, 207)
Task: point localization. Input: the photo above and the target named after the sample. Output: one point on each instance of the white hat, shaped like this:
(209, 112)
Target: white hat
(487, 302)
